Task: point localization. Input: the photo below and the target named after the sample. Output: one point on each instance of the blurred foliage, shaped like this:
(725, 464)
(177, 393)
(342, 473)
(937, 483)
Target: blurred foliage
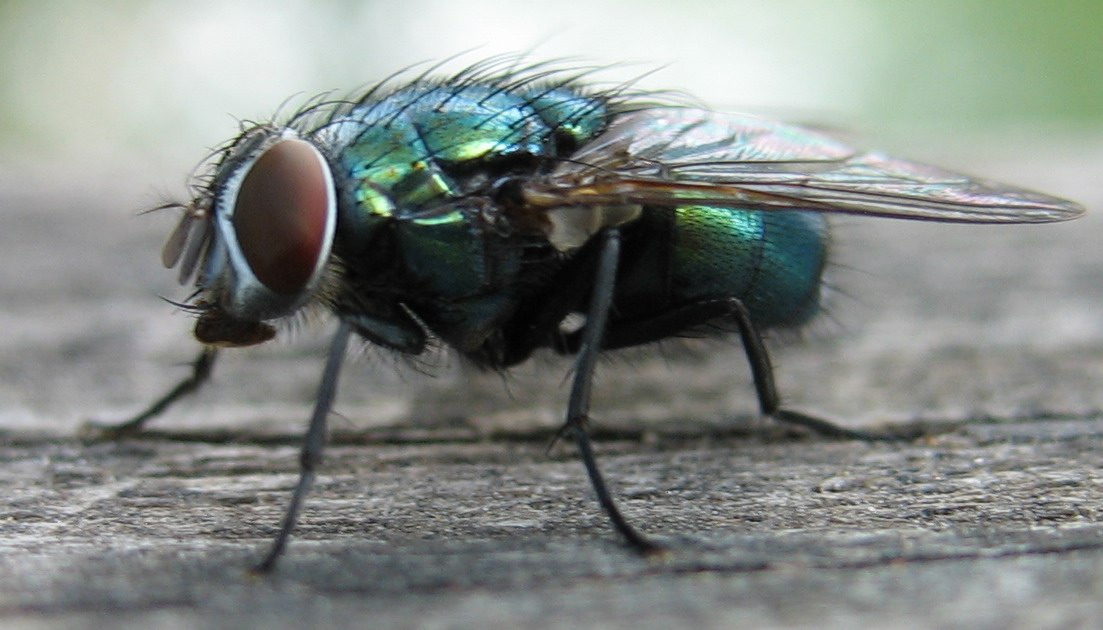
(130, 74)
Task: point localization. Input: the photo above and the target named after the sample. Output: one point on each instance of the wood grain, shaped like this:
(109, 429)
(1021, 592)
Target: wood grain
(438, 505)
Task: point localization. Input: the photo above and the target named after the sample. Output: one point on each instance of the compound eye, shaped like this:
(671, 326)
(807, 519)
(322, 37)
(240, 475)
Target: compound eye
(282, 215)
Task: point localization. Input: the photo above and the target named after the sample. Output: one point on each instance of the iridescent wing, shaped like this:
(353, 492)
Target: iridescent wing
(671, 156)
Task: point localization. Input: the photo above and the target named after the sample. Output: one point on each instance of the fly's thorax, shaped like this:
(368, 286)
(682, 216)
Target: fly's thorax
(427, 145)
(459, 267)
(422, 220)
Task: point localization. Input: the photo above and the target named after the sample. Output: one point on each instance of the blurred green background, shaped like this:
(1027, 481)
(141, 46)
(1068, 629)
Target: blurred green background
(164, 80)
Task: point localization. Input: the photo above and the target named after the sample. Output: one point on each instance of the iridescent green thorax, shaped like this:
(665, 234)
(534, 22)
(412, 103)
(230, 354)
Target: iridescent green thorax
(416, 172)
(429, 142)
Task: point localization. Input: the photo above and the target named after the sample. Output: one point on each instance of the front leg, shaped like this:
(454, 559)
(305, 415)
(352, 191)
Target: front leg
(314, 443)
(201, 373)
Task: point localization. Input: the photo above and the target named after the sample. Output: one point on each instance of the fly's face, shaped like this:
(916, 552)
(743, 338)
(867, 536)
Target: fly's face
(260, 235)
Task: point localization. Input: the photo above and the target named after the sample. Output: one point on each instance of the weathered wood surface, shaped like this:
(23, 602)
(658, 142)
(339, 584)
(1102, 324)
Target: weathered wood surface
(439, 507)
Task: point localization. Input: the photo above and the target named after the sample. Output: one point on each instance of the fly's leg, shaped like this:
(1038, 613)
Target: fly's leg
(201, 373)
(579, 406)
(678, 320)
(314, 442)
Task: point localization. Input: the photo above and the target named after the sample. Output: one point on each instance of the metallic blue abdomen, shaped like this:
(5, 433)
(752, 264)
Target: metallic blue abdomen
(771, 261)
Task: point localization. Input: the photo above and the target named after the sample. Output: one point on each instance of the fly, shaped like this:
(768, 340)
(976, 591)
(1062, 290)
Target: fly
(485, 210)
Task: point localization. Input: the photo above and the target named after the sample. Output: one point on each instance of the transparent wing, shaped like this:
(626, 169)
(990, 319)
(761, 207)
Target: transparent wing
(673, 156)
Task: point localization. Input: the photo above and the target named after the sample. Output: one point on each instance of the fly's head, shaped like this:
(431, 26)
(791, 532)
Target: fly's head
(257, 236)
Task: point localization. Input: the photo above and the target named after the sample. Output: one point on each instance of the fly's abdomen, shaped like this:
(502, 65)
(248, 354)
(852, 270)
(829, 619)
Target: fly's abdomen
(772, 261)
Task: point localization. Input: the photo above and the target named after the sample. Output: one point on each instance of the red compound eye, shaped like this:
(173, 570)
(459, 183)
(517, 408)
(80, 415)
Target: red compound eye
(281, 215)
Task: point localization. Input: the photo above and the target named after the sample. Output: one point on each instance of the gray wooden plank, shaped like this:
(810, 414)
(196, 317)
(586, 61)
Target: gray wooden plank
(439, 506)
